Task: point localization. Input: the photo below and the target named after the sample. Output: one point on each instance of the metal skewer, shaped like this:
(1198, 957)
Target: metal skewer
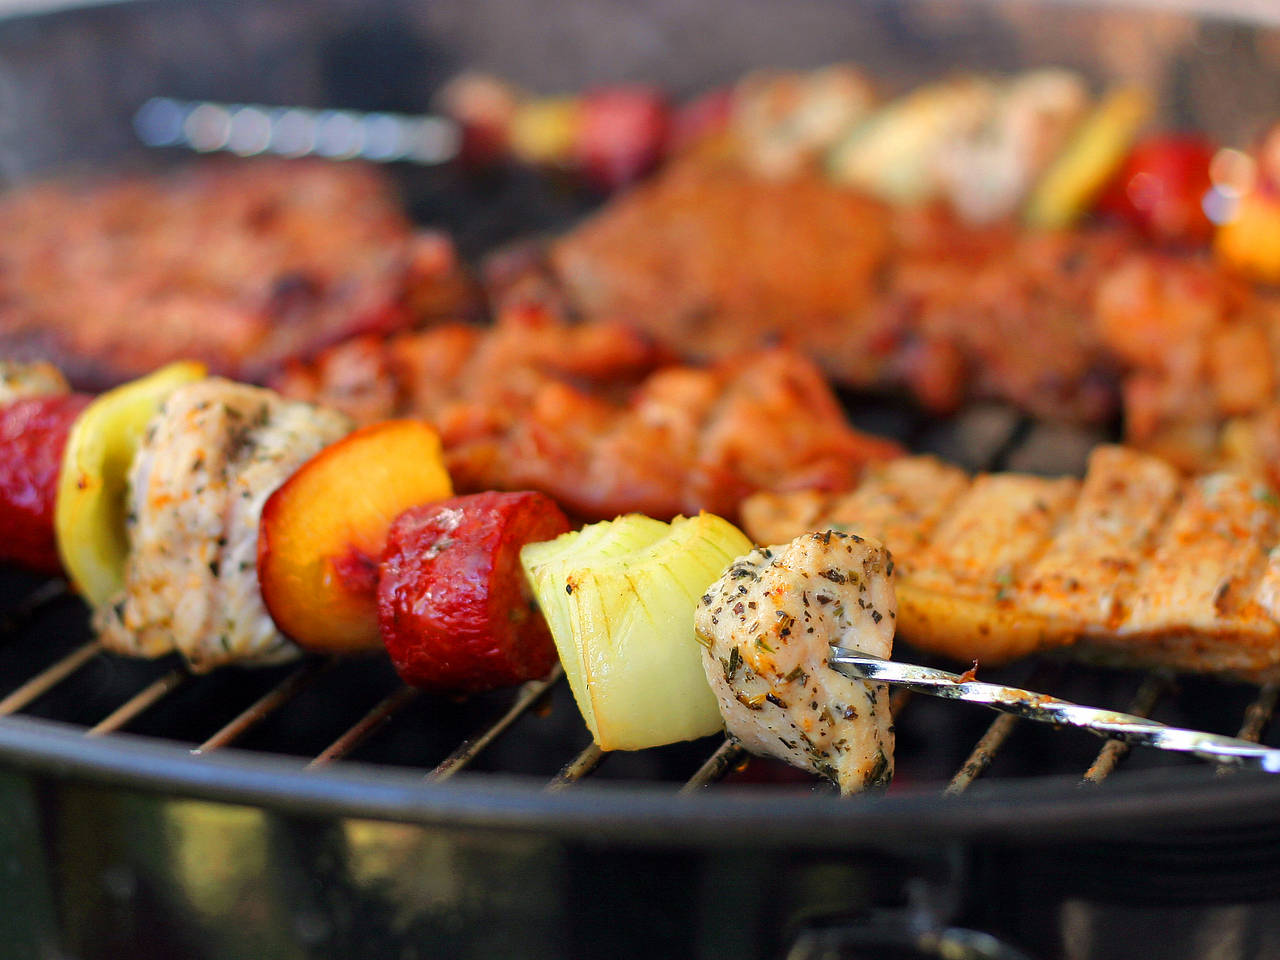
(249, 129)
(1038, 706)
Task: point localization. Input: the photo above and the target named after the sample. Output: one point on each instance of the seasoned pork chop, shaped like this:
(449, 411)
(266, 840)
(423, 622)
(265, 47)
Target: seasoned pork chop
(766, 626)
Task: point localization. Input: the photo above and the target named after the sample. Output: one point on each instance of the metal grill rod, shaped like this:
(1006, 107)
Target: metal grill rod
(31, 604)
(1257, 715)
(267, 704)
(388, 707)
(467, 751)
(139, 702)
(580, 766)
(727, 756)
(49, 677)
(997, 732)
(984, 751)
(1154, 686)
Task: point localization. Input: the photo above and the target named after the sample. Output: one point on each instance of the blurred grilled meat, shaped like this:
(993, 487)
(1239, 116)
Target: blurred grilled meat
(709, 258)
(593, 414)
(1067, 325)
(242, 264)
(1132, 565)
(1200, 348)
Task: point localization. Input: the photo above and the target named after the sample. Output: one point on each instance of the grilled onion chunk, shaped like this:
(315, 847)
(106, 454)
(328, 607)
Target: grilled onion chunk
(208, 461)
(765, 627)
(619, 598)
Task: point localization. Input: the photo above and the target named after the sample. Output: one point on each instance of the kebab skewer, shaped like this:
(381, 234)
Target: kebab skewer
(765, 626)
(192, 516)
(222, 521)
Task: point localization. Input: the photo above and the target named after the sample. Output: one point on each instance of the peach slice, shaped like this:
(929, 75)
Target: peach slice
(323, 532)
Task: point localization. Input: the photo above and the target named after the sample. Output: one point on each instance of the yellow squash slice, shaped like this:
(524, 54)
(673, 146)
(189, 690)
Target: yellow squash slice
(89, 516)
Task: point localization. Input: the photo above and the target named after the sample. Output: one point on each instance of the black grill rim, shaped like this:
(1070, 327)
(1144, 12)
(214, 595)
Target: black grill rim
(1150, 803)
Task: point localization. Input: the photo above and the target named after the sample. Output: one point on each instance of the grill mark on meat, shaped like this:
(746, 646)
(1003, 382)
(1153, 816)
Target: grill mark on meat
(1124, 504)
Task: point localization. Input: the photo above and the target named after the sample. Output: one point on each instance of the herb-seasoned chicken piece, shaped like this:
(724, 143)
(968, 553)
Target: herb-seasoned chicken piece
(766, 626)
(1134, 565)
(210, 458)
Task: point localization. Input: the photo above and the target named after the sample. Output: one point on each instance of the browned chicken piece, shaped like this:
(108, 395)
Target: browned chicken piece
(710, 260)
(1199, 347)
(592, 415)
(1134, 565)
(241, 264)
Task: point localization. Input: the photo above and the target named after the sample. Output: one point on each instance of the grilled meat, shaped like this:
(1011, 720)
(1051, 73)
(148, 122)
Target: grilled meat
(766, 626)
(1132, 565)
(1200, 348)
(209, 460)
(709, 260)
(591, 415)
(1065, 324)
(242, 265)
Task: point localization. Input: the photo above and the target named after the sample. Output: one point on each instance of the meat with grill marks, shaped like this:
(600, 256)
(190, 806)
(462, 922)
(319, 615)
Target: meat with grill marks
(1133, 565)
(241, 264)
(596, 417)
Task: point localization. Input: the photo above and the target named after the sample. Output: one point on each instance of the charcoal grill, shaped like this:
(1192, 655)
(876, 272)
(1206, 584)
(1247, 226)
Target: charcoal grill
(322, 809)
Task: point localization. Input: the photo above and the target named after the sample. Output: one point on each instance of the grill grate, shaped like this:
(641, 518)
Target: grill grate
(944, 745)
(726, 761)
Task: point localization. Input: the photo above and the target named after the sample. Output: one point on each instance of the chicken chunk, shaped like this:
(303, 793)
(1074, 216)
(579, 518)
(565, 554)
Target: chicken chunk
(22, 381)
(210, 458)
(594, 415)
(766, 626)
